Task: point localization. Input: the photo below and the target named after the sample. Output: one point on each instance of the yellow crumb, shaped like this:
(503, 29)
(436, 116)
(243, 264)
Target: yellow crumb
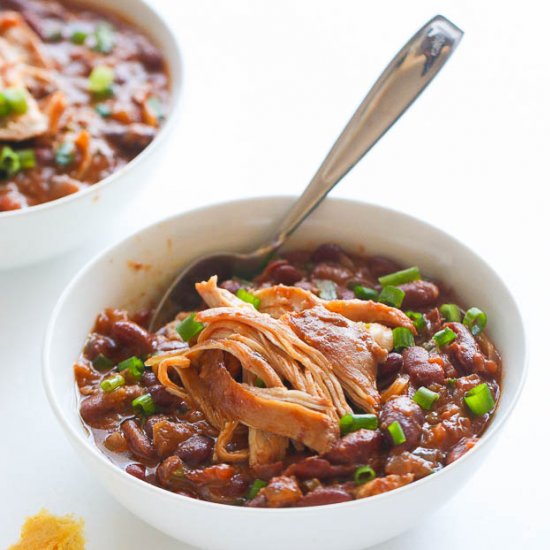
(48, 532)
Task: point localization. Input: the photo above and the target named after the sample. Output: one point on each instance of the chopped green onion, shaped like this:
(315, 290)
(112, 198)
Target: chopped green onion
(134, 365)
(402, 338)
(480, 399)
(101, 80)
(27, 158)
(392, 296)
(16, 100)
(400, 277)
(111, 384)
(396, 432)
(4, 106)
(79, 37)
(102, 363)
(475, 320)
(104, 110)
(144, 404)
(189, 328)
(246, 296)
(104, 38)
(450, 312)
(327, 289)
(451, 382)
(425, 397)
(365, 293)
(353, 422)
(255, 488)
(259, 383)
(9, 162)
(363, 474)
(65, 153)
(156, 107)
(444, 337)
(418, 319)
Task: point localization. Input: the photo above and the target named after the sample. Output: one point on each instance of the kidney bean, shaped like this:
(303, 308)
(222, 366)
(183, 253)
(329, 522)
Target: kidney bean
(132, 335)
(93, 409)
(131, 138)
(419, 294)
(328, 252)
(422, 368)
(149, 379)
(195, 450)
(168, 435)
(151, 422)
(324, 495)
(355, 448)
(391, 366)
(409, 415)
(136, 470)
(138, 442)
(98, 344)
(337, 273)
(163, 398)
(267, 471)
(320, 468)
(286, 274)
(379, 265)
(465, 350)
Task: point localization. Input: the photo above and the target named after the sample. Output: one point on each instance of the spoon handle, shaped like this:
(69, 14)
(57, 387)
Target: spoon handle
(403, 80)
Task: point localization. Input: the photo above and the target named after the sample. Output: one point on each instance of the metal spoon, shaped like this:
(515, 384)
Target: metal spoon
(403, 80)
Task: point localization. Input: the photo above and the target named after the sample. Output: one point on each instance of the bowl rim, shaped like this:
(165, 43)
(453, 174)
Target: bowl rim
(176, 72)
(48, 370)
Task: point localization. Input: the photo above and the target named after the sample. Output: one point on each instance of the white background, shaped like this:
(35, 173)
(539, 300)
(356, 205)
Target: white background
(269, 85)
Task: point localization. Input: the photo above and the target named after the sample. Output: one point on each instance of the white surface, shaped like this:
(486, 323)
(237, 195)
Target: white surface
(46, 225)
(365, 521)
(269, 86)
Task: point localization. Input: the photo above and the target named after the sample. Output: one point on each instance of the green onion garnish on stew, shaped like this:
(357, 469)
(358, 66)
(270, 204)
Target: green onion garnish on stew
(189, 328)
(425, 397)
(475, 320)
(9, 162)
(396, 433)
(144, 404)
(365, 293)
(104, 38)
(400, 277)
(480, 399)
(27, 158)
(391, 296)
(417, 318)
(16, 100)
(450, 312)
(4, 106)
(353, 422)
(255, 488)
(402, 338)
(103, 110)
(101, 80)
(444, 337)
(102, 363)
(363, 474)
(79, 37)
(111, 384)
(134, 365)
(246, 296)
(65, 154)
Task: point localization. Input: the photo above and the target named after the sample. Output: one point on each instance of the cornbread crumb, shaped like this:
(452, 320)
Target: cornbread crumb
(44, 531)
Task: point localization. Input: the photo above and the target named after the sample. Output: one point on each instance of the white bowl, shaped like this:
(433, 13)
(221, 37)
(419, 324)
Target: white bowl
(109, 280)
(39, 232)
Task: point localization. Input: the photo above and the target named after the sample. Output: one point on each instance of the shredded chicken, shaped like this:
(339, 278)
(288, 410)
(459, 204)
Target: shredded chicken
(293, 366)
